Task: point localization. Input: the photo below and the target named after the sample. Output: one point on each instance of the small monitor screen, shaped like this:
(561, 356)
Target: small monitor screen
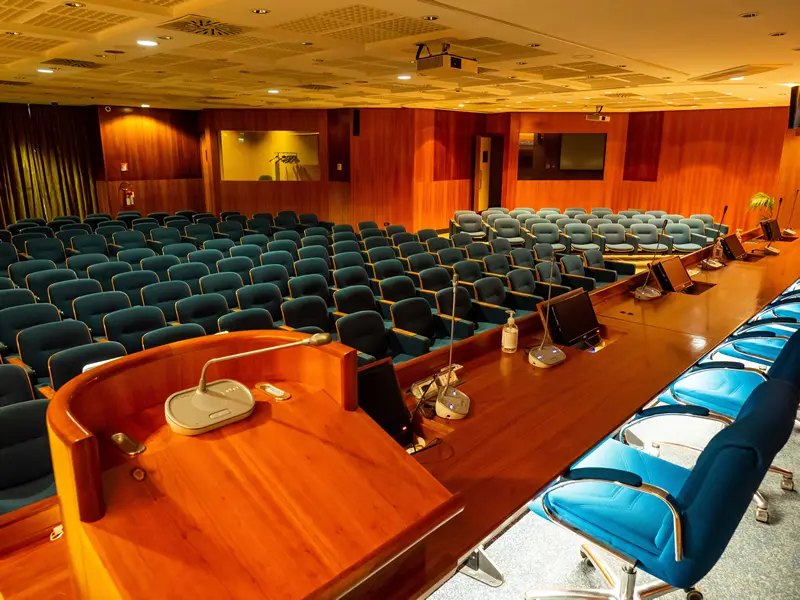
(771, 229)
(574, 319)
(733, 247)
(380, 397)
(675, 276)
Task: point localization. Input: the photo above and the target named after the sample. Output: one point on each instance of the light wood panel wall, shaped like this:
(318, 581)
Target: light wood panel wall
(643, 146)
(708, 159)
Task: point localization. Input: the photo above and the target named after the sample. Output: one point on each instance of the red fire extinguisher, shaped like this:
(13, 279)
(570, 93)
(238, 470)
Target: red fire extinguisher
(128, 196)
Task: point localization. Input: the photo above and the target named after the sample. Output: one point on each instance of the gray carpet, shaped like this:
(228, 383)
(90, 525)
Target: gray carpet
(761, 562)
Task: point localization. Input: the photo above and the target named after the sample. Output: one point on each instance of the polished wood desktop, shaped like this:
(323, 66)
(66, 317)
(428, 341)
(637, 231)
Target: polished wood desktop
(302, 500)
(527, 425)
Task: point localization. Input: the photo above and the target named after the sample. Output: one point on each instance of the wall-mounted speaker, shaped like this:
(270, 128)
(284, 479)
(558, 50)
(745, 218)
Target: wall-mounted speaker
(794, 108)
(356, 122)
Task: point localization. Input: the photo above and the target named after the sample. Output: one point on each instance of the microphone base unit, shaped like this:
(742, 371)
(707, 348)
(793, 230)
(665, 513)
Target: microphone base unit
(646, 293)
(789, 232)
(769, 251)
(452, 404)
(192, 412)
(546, 356)
(711, 264)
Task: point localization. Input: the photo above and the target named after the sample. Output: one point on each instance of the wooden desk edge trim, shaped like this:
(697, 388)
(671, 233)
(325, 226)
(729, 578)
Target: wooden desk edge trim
(354, 576)
(28, 525)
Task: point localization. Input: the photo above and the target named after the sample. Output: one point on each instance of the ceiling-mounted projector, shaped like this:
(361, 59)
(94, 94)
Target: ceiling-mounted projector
(597, 117)
(444, 64)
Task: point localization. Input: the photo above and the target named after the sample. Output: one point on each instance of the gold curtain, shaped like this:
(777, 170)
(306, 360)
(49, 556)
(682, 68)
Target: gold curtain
(46, 161)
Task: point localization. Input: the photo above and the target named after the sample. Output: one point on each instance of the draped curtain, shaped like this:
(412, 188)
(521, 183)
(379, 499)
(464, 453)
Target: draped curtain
(46, 161)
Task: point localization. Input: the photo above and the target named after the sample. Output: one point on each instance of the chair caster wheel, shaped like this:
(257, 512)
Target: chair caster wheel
(585, 562)
(787, 484)
(762, 515)
(694, 595)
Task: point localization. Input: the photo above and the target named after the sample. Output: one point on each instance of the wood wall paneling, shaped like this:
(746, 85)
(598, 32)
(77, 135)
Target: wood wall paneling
(340, 125)
(454, 143)
(153, 195)
(789, 179)
(156, 143)
(708, 159)
(382, 172)
(643, 147)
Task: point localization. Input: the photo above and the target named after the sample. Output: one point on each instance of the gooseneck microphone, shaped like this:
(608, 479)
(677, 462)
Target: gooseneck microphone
(547, 355)
(722, 220)
(789, 231)
(646, 292)
(213, 405)
(452, 403)
(714, 263)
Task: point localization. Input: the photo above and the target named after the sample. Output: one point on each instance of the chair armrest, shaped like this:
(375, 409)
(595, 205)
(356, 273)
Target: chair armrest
(462, 328)
(719, 364)
(753, 334)
(599, 240)
(408, 342)
(502, 278)
(566, 240)
(667, 240)
(607, 275)
(365, 359)
(723, 229)
(712, 233)
(72, 252)
(542, 289)
(430, 296)
(621, 267)
(189, 239)
(221, 236)
(633, 240)
(18, 362)
(157, 247)
(114, 248)
(415, 278)
(700, 240)
(603, 474)
(491, 233)
(46, 391)
(578, 281)
(525, 301)
(628, 480)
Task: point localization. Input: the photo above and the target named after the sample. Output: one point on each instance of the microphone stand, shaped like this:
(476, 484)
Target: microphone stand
(452, 403)
(768, 250)
(546, 356)
(789, 231)
(714, 263)
(213, 405)
(646, 292)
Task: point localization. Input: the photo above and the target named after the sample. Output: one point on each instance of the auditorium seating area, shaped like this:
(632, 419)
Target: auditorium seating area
(630, 232)
(126, 279)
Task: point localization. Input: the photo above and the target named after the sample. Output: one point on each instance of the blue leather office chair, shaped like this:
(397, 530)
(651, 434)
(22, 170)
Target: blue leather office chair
(617, 239)
(366, 332)
(249, 319)
(659, 517)
(548, 233)
(63, 293)
(683, 239)
(68, 364)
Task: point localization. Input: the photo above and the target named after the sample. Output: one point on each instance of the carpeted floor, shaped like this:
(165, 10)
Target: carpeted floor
(762, 561)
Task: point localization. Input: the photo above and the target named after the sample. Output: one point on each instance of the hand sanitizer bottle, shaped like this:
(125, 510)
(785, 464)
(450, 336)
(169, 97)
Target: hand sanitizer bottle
(510, 334)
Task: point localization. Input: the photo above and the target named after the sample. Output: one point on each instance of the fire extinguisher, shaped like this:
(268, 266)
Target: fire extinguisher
(128, 196)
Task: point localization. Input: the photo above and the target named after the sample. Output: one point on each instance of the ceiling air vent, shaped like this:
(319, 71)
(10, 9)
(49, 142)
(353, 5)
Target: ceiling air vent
(317, 87)
(69, 62)
(204, 26)
(622, 95)
(16, 83)
(741, 71)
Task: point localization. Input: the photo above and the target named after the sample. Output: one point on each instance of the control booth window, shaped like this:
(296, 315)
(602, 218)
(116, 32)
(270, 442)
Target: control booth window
(568, 156)
(269, 155)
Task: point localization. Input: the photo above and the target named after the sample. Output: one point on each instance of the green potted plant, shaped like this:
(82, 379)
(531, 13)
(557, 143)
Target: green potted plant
(763, 203)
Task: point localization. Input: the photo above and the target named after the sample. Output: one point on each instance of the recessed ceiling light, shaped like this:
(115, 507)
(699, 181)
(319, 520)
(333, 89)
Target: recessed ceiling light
(694, 107)
(669, 102)
(748, 15)
(695, 98)
(519, 101)
(534, 45)
(508, 106)
(404, 77)
(306, 43)
(13, 33)
(430, 18)
(729, 93)
(531, 97)
(147, 43)
(165, 37)
(777, 34)
(588, 98)
(569, 101)
(719, 102)
(669, 93)
(751, 98)
(114, 51)
(272, 91)
(99, 55)
(541, 109)
(460, 106)
(583, 56)
(606, 92)
(522, 62)
(44, 70)
(737, 78)
(74, 4)
(770, 103)
(627, 109)
(145, 106)
(790, 84)
(642, 98)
